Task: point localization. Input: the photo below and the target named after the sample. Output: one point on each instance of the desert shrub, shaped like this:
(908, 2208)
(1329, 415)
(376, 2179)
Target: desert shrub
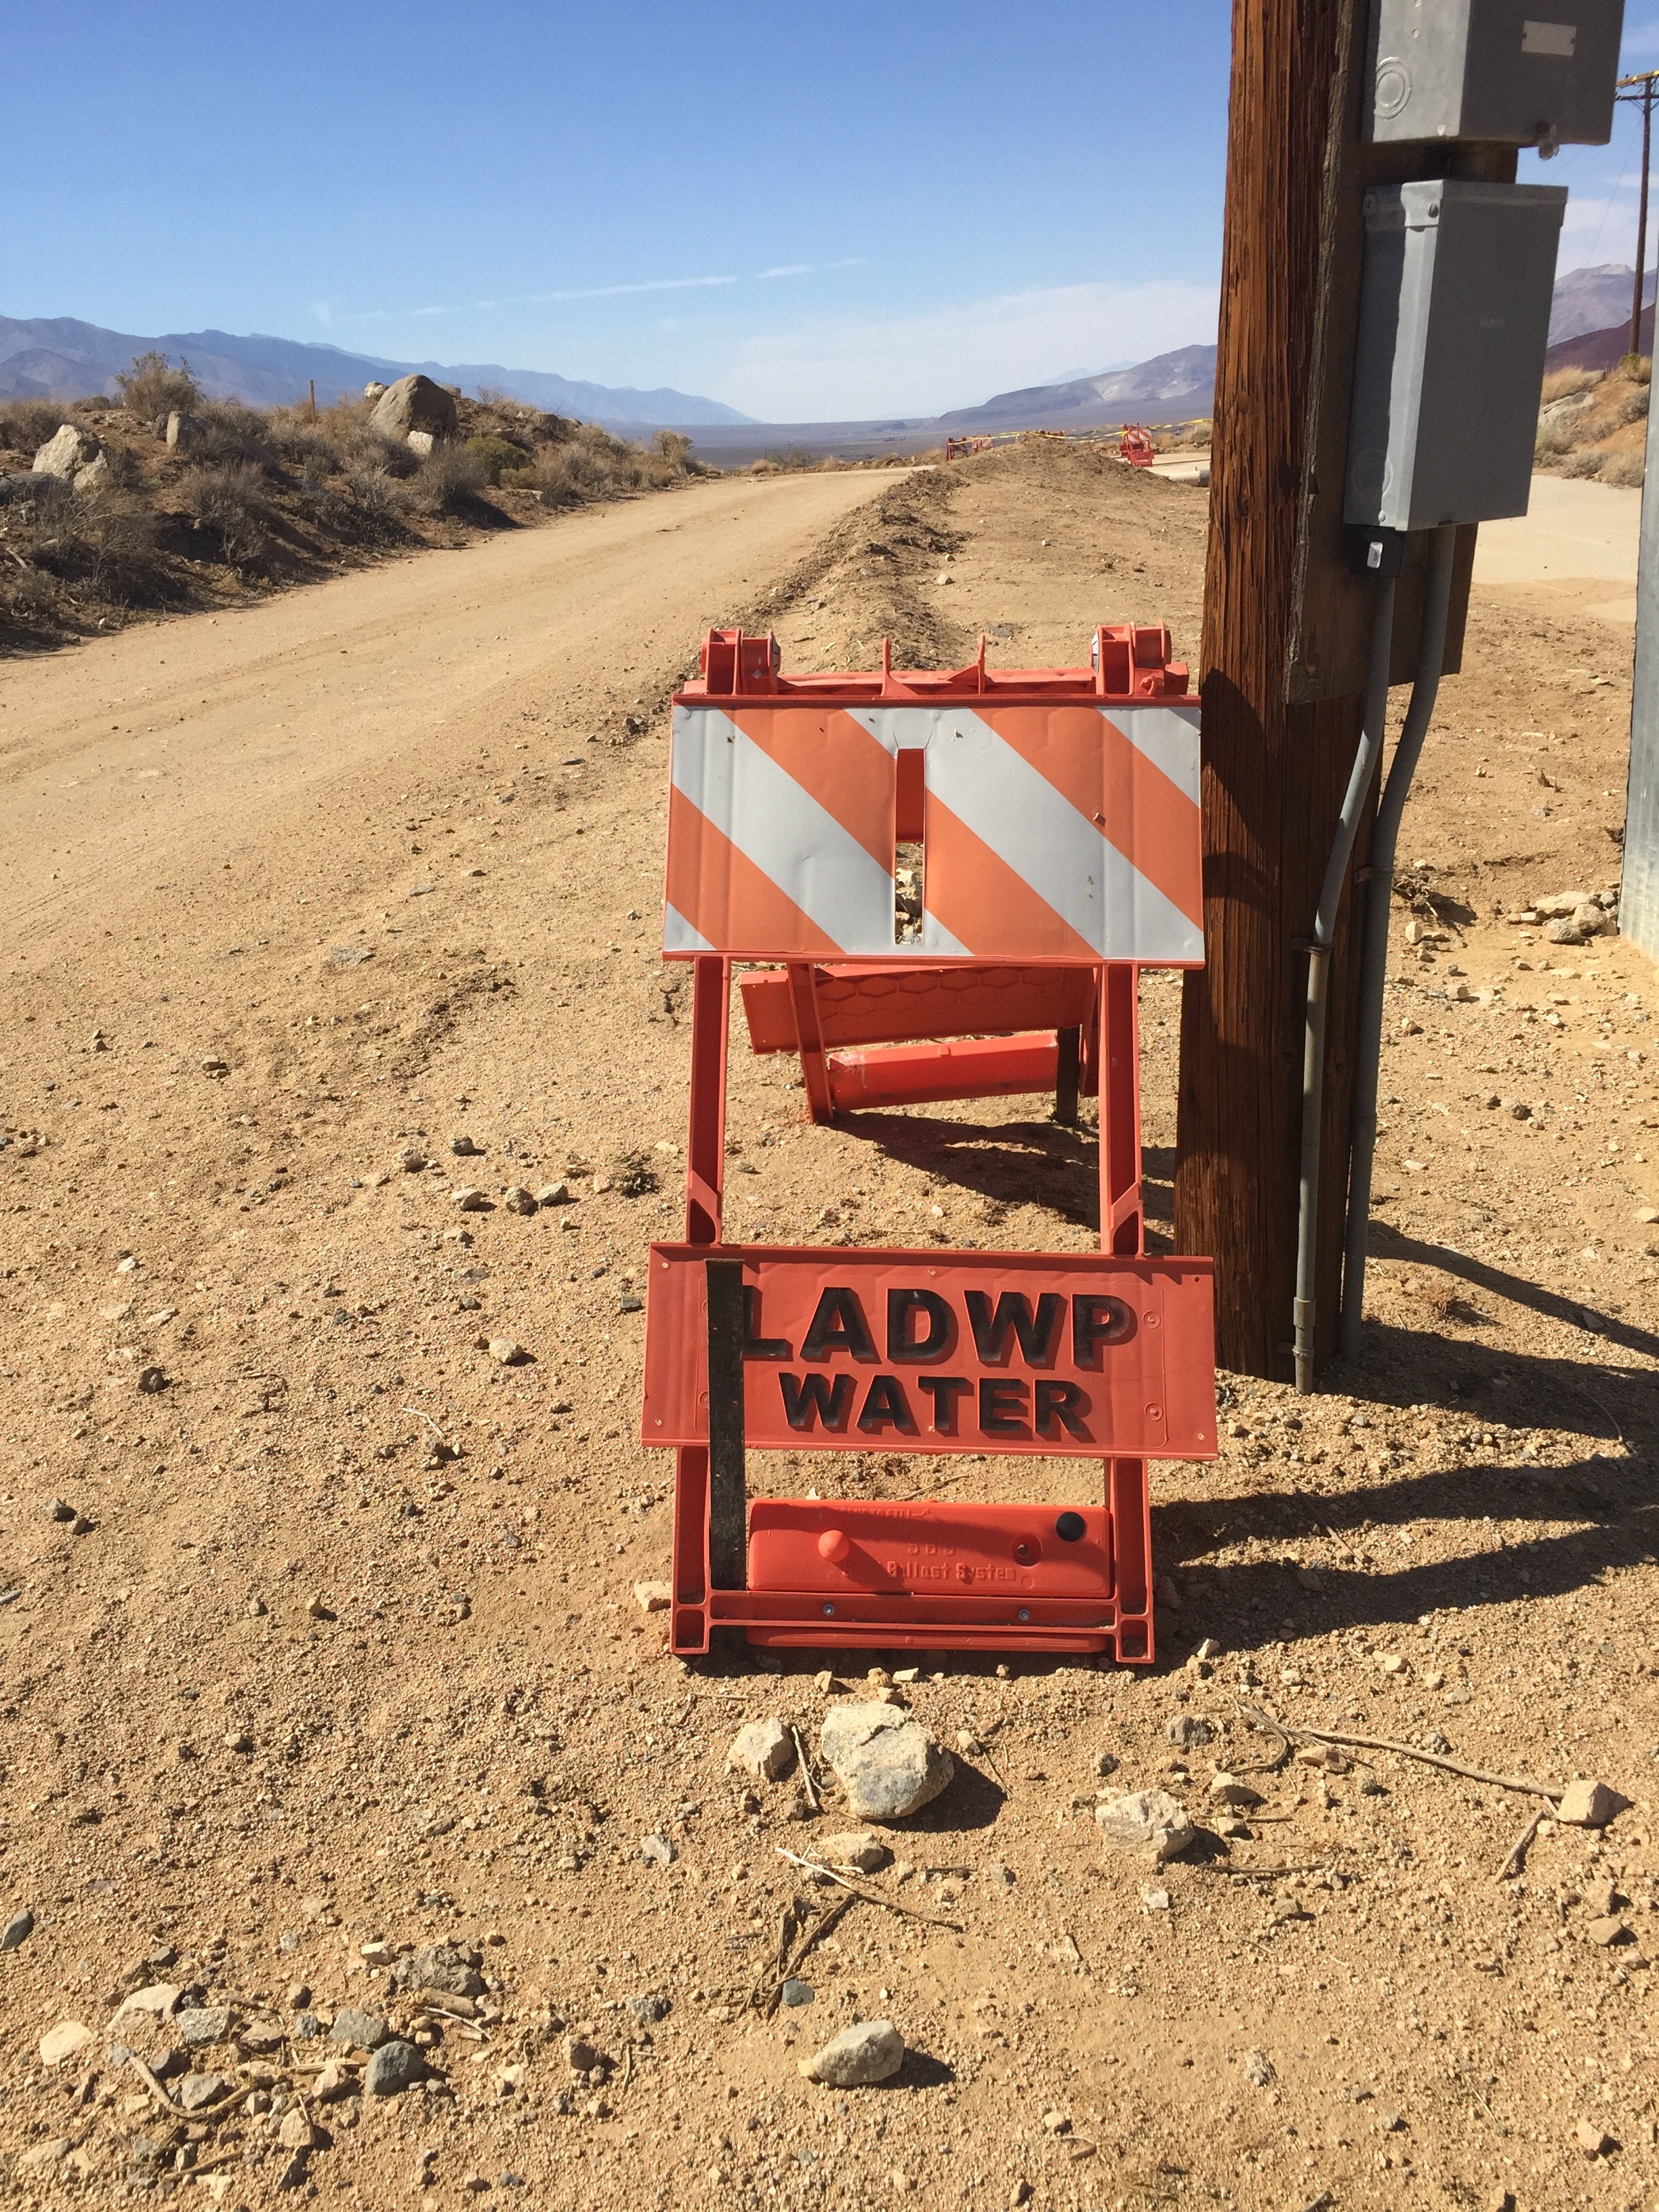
(304, 444)
(447, 481)
(153, 387)
(495, 456)
(1563, 383)
(380, 498)
(1626, 468)
(121, 529)
(364, 448)
(764, 467)
(1553, 440)
(793, 457)
(1586, 462)
(228, 498)
(1633, 407)
(591, 465)
(673, 446)
(26, 424)
(228, 431)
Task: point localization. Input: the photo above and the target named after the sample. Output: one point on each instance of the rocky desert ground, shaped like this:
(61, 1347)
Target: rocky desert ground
(361, 1841)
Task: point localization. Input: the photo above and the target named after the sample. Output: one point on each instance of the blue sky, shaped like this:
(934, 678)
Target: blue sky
(807, 211)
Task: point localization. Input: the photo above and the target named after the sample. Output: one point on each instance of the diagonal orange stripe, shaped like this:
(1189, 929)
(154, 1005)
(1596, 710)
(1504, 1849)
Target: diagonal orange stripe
(1130, 800)
(982, 903)
(847, 771)
(724, 897)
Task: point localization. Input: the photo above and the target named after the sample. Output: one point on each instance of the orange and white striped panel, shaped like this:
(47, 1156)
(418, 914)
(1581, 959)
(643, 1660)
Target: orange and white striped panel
(1069, 830)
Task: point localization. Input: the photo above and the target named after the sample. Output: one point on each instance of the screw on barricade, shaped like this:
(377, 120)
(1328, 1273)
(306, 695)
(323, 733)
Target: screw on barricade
(955, 877)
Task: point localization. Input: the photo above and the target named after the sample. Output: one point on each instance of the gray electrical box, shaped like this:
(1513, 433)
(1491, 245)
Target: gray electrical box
(1454, 318)
(1523, 72)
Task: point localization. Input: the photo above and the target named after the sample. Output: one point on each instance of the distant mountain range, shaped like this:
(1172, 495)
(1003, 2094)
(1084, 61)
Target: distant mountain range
(58, 358)
(1602, 349)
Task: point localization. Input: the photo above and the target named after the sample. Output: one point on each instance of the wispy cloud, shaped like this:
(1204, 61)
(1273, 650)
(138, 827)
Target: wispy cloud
(831, 368)
(325, 313)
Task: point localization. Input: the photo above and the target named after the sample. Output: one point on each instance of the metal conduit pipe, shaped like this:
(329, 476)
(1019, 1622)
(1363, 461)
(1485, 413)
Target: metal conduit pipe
(1385, 837)
(1318, 949)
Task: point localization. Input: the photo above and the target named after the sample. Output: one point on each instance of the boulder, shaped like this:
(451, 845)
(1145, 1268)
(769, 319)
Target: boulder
(372, 390)
(93, 477)
(1148, 1822)
(871, 2052)
(884, 1759)
(183, 432)
(68, 449)
(414, 402)
(421, 442)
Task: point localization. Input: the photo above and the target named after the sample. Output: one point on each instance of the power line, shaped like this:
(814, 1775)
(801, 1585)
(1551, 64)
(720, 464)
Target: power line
(1639, 91)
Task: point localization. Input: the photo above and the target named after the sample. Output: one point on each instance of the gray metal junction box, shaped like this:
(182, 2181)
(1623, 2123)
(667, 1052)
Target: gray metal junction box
(1518, 71)
(1454, 319)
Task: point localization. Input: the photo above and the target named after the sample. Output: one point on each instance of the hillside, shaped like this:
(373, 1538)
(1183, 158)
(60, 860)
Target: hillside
(1593, 300)
(56, 357)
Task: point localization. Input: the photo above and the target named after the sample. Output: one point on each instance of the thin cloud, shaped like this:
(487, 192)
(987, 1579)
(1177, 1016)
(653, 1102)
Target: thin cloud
(324, 314)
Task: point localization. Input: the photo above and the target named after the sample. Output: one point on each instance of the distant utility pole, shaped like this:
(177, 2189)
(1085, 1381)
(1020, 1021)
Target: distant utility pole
(1639, 91)
(1283, 666)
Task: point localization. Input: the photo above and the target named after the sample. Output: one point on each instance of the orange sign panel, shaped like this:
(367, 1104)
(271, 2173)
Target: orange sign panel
(1074, 1355)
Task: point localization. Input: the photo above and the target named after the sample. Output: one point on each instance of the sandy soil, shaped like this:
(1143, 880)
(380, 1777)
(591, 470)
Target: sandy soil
(340, 1652)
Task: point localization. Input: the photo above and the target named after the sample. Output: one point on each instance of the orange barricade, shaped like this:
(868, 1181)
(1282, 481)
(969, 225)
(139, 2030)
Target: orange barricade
(959, 876)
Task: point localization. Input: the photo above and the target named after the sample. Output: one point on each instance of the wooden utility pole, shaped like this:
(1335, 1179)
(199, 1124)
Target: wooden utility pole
(1640, 91)
(1287, 637)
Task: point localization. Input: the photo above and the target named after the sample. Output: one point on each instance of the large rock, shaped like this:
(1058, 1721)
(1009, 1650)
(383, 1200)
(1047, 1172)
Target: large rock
(414, 402)
(183, 431)
(1148, 1822)
(871, 2052)
(884, 1759)
(66, 451)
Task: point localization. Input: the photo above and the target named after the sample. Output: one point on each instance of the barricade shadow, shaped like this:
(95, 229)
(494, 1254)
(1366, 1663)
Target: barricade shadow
(1008, 1163)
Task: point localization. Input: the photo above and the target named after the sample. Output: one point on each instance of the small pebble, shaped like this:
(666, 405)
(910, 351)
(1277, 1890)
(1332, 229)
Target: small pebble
(17, 1930)
(395, 2066)
(873, 2051)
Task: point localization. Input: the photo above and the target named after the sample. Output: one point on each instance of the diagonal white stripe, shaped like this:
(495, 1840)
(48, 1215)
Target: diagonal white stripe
(1043, 838)
(778, 825)
(678, 936)
(1168, 736)
(936, 938)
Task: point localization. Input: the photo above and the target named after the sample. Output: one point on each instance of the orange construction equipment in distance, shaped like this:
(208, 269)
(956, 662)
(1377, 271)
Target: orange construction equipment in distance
(1135, 446)
(957, 877)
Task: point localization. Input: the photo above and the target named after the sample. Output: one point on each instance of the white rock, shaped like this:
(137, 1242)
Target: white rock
(653, 1597)
(183, 431)
(68, 449)
(93, 477)
(887, 1762)
(1146, 1821)
(871, 2052)
(421, 442)
(154, 2003)
(1588, 1805)
(64, 2041)
(372, 390)
(858, 1849)
(1562, 903)
(1238, 1796)
(763, 1748)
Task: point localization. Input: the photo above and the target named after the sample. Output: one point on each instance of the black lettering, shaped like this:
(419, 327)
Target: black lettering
(828, 1399)
(1060, 1401)
(938, 1338)
(1001, 1405)
(838, 1325)
(1097, 1320)
(944, 1390)
(1013, 1312)
(885, 1406)
(754, 1345)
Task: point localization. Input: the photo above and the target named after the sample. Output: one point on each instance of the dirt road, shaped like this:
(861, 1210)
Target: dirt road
(176, 753)
(317, 1634)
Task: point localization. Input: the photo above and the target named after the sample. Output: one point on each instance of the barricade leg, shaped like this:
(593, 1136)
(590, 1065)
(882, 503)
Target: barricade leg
(1131, 1539)
(1122, 1222)
(809, 1036)
(687, 1633)
(705, 1150)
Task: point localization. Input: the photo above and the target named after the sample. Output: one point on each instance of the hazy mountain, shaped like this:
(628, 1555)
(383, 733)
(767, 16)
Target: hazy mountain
(56, 357)
(1600, 349)
(1594, 298)
(1167, 387)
